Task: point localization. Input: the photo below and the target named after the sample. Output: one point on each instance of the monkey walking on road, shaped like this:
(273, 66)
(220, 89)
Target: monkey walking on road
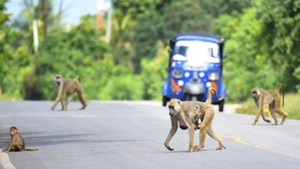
(272, 98)
(68, 87)
(187, 113)
(17, 142)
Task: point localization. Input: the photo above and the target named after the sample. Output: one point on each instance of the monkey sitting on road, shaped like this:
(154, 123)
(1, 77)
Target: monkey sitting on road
(17, 142)
(272, 98)
(68, 87)
(184, 112)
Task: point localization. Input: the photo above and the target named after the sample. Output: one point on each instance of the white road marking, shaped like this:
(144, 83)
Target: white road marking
(5, 162)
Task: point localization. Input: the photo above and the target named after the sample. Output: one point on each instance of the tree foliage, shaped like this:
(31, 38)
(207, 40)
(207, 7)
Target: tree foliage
(3, 14)
(281, 29)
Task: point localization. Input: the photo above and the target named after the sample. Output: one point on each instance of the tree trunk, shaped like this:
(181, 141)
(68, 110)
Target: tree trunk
(45, 16)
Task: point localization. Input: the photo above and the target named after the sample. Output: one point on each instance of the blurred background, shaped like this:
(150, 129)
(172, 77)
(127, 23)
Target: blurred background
(119, 47)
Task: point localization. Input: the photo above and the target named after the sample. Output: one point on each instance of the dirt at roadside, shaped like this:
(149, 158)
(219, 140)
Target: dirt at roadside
(231, 108)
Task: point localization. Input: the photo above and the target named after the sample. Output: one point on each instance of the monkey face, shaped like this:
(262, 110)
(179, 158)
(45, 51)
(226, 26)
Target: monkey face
(255, 93)
(13, 130)
(196, 108)
(174, 107)
(172, 111)
(57, 80)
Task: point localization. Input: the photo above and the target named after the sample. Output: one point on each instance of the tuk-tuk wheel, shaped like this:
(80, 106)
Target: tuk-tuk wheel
(164, 101)
(221, 106)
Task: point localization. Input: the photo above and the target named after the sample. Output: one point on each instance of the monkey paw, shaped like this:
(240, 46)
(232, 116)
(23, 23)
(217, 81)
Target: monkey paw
(83, 107)
(220, 147)
(198, 147)
(283, 120)
(168, 147)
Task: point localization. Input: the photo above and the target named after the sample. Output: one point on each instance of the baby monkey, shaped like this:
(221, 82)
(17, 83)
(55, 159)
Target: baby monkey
(17, 142)
(195, 120)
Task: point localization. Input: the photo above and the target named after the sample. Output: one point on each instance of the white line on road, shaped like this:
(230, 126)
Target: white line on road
(5, 162)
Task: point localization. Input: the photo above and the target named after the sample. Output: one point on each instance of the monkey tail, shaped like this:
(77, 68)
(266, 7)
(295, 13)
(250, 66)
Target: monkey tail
(222, 98)
(30, 149)
(283, 91)
(77, 78)
(209, 100)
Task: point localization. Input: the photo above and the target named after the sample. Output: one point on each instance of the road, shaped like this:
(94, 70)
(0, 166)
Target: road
(124, 134)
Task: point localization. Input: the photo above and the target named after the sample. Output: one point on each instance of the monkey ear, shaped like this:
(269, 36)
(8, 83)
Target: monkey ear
(179, 102)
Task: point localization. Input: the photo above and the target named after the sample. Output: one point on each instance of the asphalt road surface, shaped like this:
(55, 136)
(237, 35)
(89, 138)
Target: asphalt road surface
(127, 134)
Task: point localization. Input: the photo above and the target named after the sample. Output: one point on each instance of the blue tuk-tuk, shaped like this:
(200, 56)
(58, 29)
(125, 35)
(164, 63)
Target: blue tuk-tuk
(195, 64)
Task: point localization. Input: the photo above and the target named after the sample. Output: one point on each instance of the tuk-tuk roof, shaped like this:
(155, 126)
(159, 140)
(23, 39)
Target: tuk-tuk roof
(197, 35)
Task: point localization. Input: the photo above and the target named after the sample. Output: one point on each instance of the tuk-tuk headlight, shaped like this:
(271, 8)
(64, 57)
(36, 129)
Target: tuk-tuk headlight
(213, 76)
(177, 73)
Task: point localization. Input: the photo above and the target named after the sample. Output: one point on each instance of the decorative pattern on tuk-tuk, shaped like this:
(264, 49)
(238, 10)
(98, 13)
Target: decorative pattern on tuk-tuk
(174, 86)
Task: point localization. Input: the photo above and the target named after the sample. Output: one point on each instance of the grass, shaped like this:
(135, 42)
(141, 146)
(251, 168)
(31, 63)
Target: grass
(291, 106)
(8, 98)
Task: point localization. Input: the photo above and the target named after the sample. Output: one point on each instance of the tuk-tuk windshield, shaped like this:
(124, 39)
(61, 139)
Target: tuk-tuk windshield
(195, 50)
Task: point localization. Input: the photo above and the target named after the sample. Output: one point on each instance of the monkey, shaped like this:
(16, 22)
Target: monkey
(272, 98)
(17, 142)
(183, 111)
(197, 108)
(68, 87)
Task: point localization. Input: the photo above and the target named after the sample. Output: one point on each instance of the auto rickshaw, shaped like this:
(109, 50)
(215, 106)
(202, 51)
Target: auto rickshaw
(195, 64)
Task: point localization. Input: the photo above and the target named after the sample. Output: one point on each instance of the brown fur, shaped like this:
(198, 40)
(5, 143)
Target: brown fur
(68, 87)
(272, 98)
(184, 112)
(196, 108)
(17, 142)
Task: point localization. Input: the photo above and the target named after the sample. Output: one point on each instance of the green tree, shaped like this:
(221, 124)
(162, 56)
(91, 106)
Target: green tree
(82, 52)
(153, 74)
(14, 60)
(247, 64)
(4, 16)
(158, 26)
(281, 29)
(134, 8)
(78, 52)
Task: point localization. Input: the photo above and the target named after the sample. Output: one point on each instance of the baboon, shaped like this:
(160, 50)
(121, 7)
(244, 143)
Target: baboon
(17, 142)
(197, 108)
(68, 87)
(272, 98)
(184, 112)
